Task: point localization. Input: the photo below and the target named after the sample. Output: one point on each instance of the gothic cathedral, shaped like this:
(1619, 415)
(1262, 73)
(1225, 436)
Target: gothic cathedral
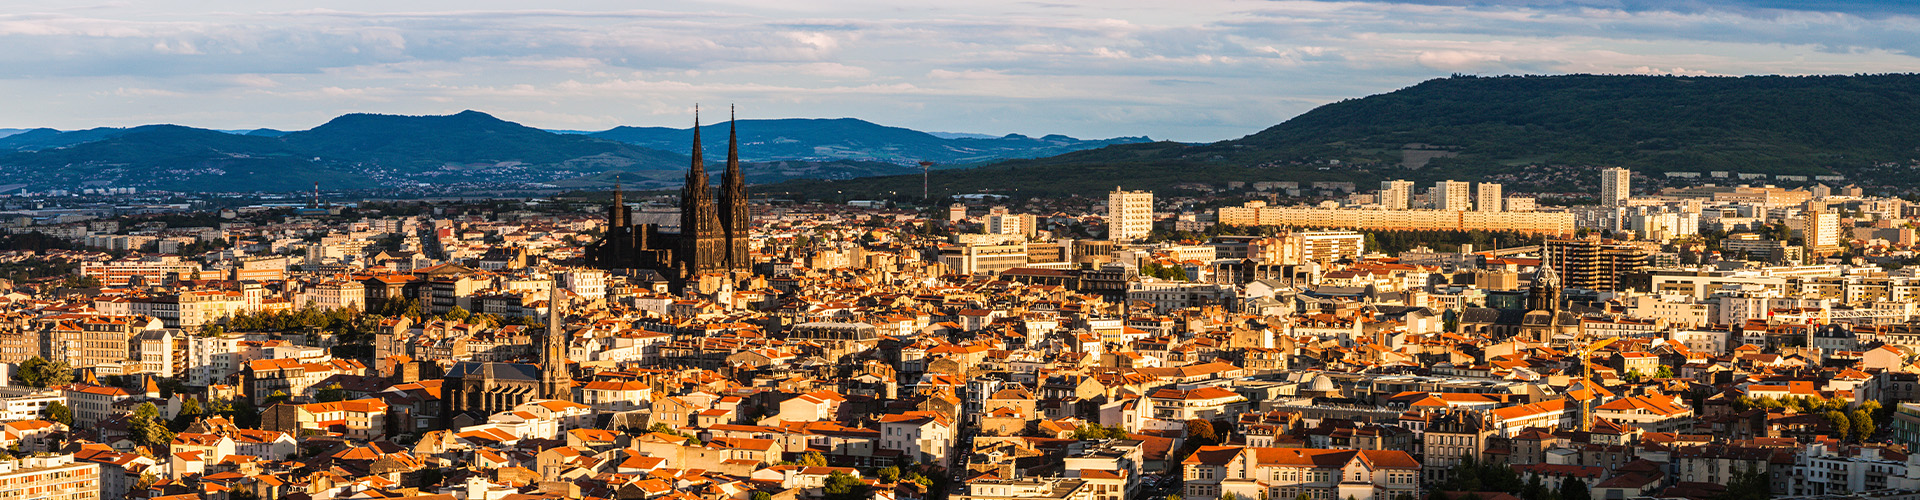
(712, 238)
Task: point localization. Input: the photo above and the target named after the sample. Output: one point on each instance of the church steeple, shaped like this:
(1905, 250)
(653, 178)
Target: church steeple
(1544, 293)
(556, 380)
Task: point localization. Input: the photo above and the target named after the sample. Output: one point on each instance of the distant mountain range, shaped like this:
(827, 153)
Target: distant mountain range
(376, 151)
(1526, 131)
(801, 139)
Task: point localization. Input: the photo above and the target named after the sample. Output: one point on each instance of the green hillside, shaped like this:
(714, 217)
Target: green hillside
(469, 137)
(178, 158)
(1469, 128)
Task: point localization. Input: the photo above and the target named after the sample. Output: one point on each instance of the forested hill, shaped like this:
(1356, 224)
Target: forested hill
(1472, 128)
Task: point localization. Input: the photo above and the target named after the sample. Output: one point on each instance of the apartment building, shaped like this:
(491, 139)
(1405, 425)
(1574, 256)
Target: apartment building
(54, 477)
(1596, 264)
(1257, 213)
(1129, 215)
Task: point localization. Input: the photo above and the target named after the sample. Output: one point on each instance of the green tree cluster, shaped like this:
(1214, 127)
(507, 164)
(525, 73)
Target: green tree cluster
(1154, 269)
(147, 429)
(331, 393)
(1747, 484)
(1802, 404)
(339, 321)
(38, 372)
(843, 486)
(1096, 431)
(58, 412)
(1469, 475)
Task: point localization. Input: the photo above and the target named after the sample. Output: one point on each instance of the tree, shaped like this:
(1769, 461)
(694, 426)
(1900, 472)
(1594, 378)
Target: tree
(146, 429)
(760, 495)
(843, 486)
(1229, 496)
(189, 410)
(1303, 496)
(1862, 424)
(1201, 431)
(1496, 477)
(889, 474)
(1097, 431)
(1465, 476)
(278, 397)
(1840, 424)
(31, 371)
(245, 415)
(458, 314)
(38, 372)
(663, 428)
(1664, 372)
(1747, 484)
(59, 413)
(1574, 489)
(331, 393)
(1535, 489)
(813, 459)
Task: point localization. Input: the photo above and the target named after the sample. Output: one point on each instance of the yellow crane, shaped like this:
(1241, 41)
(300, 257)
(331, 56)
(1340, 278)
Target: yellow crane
(1586, 404)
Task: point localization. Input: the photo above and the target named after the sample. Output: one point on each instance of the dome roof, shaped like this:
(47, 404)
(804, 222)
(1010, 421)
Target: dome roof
(1321, 383)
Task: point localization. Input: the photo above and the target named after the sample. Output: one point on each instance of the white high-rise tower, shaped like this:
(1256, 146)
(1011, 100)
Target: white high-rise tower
(1614, 186)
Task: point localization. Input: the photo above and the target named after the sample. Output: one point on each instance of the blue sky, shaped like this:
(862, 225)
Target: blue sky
(1190, 70)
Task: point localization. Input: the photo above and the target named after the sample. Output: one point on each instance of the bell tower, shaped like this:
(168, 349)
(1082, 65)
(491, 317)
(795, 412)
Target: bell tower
(556, 380)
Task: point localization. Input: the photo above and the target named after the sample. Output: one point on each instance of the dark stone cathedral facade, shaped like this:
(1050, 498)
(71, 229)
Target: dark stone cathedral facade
(713, 233)
(473, 390)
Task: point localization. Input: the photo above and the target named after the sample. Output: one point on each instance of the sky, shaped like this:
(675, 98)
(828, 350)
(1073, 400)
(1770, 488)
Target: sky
(1186, 70)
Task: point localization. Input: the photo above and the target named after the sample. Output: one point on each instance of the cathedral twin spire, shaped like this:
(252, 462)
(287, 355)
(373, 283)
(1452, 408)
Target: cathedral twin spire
(713, 235)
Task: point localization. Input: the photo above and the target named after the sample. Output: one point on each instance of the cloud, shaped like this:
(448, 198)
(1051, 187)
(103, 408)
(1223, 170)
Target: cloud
(1122, 67)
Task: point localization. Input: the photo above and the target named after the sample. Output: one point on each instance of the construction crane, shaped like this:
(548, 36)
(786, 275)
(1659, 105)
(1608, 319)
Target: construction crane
(1586, 404)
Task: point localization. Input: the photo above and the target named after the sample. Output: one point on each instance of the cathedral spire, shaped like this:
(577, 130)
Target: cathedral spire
(733, 145)
(734, 216)
(698, 169)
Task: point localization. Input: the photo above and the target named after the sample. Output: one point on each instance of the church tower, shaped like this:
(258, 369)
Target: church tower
(556, 381)
(733, 201)
(1544, 294)
(618, 214)
(702, 242)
